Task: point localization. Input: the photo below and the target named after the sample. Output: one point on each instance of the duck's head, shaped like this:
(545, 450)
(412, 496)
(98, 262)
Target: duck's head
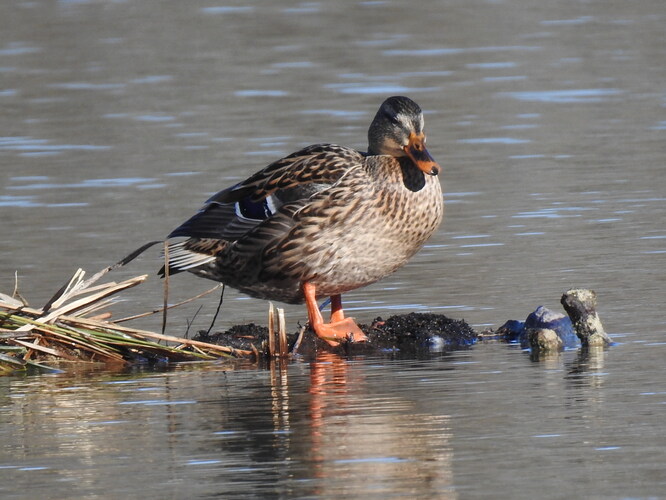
(397, 130)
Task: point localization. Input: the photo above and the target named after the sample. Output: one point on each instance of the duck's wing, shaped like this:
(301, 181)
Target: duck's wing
(233, 212)
(271, 196)
(321, 164)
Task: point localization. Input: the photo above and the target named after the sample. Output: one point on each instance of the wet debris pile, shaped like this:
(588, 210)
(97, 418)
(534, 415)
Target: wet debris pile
(74, 326)
(71, 327)
(410, 334)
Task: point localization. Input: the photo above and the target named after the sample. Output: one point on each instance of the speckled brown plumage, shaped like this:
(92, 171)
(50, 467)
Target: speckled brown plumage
(326, 215)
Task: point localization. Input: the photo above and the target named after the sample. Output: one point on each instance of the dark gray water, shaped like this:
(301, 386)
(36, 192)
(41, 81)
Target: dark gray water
(119, 118)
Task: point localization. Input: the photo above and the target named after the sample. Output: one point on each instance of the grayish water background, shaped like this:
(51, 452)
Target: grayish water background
(119, 118)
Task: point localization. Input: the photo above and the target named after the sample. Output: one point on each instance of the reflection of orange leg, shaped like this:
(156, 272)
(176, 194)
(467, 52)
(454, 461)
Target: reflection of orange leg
(340, 328)
(328, 399)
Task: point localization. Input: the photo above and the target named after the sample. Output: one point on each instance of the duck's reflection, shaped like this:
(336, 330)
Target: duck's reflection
(362, 434)
(332, 428)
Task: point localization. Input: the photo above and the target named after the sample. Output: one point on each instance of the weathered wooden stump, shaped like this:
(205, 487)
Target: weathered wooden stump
(581, 306)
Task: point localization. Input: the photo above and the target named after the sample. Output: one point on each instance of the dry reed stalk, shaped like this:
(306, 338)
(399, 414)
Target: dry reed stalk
(277, 330)
(271, 330)
(282, 334)
(61, 330)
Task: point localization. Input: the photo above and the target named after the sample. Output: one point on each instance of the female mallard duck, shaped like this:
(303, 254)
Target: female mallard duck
(322, 221)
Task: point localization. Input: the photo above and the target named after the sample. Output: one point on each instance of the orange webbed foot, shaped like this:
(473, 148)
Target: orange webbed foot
(340, 329)
(345, 330)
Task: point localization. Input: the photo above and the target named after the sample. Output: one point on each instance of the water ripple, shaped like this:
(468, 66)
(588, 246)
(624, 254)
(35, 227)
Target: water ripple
(225, 9)
(152, 79)
(387, 89)
(494, 140)
(443, 51)
(491, 65)
(18, 49)
(339, 113)
(30, 202)
(304, 8)
(88, 183)
(260, 93)
(87, 86)
(564, 96)
(551, 213)
(17, 201)
(560, 22)
(32, 146)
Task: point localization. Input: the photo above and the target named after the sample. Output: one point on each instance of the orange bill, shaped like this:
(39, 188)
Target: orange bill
(417, 151)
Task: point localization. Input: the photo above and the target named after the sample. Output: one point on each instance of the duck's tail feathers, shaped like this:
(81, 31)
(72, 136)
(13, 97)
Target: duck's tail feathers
(191, 253)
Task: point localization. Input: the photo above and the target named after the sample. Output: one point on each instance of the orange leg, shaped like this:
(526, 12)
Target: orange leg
(340, 328)
(337, 314)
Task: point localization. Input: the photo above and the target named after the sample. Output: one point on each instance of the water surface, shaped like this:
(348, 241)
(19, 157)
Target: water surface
(119, 118)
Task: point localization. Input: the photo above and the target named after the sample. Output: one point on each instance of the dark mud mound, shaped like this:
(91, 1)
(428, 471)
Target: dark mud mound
(247, 337)
(413, 333)
(420, 332)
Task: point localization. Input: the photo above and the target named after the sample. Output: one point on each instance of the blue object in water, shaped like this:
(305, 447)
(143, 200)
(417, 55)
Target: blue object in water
(543, 317)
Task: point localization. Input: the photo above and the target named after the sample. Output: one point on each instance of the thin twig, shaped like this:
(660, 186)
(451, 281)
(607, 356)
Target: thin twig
(217, 311)
(155, 311)
(166, 286)
(16, 292)
(15, 284)
(191, 321)
(299, 339)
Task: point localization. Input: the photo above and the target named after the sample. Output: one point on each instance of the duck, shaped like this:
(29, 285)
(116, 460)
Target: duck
(320, 222)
